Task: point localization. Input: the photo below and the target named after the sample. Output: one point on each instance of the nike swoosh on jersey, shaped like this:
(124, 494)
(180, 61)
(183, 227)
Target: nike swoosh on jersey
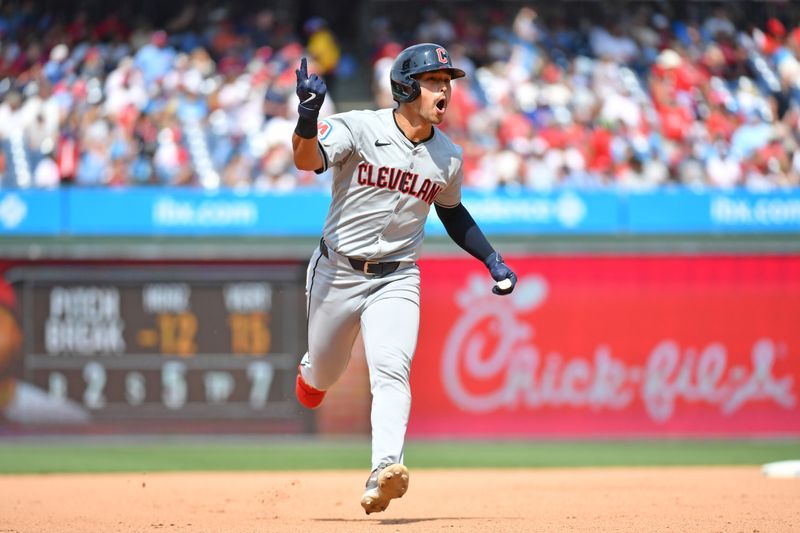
(307, 100)
(378, 143)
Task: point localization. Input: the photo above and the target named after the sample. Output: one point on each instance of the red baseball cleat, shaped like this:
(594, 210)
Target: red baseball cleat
(307, 395)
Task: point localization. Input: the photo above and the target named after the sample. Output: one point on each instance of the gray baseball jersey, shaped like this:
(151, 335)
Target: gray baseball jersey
(383, 188)
(384, 185)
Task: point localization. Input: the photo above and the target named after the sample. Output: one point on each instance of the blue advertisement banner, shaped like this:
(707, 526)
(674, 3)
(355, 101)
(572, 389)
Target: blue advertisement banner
(192, 212)
(561, 211)
(686, 211)
(31, 212)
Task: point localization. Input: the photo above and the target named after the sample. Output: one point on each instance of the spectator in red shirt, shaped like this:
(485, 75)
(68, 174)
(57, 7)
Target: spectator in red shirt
(676, 120)
(599, 152)
(720, 122)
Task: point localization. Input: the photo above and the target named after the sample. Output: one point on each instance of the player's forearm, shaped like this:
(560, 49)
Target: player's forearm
(306, 153)
(464, 231)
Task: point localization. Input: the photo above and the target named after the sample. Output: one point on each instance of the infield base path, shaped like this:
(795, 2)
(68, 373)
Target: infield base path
(717, 499)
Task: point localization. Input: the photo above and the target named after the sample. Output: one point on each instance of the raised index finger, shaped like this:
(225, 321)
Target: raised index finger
(302, 72)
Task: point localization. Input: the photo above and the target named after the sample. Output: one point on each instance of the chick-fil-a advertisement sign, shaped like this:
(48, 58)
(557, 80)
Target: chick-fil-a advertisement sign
(610, 346)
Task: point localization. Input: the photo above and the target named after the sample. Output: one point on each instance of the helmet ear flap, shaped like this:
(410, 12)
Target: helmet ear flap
(415, 89)
(406, 91)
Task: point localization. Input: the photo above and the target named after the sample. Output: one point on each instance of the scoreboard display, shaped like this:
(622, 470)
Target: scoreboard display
(199, 342)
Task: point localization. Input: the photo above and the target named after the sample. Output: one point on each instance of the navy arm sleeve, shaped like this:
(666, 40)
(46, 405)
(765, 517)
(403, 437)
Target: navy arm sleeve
(461, 227)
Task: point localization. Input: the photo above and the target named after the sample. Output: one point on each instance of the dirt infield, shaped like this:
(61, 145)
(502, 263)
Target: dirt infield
(725, 499)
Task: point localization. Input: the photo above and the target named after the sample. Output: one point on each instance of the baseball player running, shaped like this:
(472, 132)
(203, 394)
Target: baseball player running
(389, 167)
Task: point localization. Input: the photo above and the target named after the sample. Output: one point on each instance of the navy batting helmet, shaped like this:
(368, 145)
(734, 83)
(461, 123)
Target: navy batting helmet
(414, 60)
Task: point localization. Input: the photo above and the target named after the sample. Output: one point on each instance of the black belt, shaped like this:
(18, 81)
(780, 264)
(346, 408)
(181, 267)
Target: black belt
(367, 267)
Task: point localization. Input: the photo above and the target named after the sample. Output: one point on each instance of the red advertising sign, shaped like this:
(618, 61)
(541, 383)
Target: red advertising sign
(610, 346)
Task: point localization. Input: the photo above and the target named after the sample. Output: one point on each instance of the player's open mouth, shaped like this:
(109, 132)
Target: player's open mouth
(441, 105)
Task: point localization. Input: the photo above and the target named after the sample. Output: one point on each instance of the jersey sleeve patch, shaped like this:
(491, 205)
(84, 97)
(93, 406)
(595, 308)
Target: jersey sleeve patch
(323, 129)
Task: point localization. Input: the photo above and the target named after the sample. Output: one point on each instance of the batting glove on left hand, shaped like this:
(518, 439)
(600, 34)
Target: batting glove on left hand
(311, 90)
(500, 272)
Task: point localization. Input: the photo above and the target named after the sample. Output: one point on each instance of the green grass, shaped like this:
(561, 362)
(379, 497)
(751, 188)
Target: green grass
(26, 457)
(602, 453)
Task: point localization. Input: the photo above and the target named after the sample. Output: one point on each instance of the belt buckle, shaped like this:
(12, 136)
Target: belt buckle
(366, 266)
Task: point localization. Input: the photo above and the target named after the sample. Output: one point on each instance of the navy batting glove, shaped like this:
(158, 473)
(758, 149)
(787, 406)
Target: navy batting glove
(500, 272)
(311, 91)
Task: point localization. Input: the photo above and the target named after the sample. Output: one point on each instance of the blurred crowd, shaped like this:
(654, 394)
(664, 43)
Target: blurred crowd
(203, 101)
(637, 98)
